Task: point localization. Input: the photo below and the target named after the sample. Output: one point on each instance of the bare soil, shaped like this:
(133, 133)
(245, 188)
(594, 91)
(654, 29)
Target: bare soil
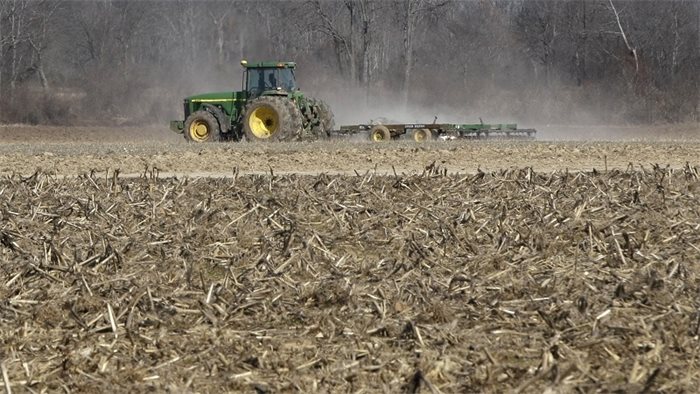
(445, 267)
(72, 151)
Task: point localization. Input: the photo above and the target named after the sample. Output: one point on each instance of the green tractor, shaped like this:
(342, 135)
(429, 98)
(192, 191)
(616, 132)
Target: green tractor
(269, 108)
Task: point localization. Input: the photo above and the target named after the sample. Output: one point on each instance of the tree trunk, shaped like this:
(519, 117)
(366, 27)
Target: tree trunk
(2, 47)
(633, 51)
(351, 50)
(241, 45)
(582, 50)
(220, 41)
(366, 76)
(219, 21)
(39, 65)
(414, 11)
(409, 26)
(697, 48)
(2, 57)
(15, 28)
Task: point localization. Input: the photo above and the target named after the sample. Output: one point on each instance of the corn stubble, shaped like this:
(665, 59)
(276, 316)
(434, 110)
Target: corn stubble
(504, 281)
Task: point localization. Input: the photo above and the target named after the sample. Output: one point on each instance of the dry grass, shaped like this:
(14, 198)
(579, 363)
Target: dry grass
(512, 280)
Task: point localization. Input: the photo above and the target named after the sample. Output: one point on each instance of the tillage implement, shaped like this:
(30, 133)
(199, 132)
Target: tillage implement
(439, 131)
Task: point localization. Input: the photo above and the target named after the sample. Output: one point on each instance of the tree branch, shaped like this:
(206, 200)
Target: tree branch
(633, 51)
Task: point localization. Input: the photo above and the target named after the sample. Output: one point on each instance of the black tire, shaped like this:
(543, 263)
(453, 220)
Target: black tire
(379, 133)
(201, 126)
(422, 135)
(272, 118)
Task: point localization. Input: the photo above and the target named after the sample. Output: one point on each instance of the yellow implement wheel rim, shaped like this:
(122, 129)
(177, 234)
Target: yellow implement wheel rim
(420, 135)
(377, 135)
(199, 130)
(264, 122)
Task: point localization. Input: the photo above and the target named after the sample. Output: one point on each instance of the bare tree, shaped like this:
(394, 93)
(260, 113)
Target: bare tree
(411, 14)
(17, 14)
(488, 55)
(3, 39)
(219, 16)
(352, 30)
(630, 48)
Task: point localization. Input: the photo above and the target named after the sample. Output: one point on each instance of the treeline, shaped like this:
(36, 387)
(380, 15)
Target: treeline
(583, 61)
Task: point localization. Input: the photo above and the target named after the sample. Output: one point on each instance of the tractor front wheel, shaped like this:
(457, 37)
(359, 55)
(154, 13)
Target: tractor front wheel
(379, 133)
(201, 126)
(272, 118)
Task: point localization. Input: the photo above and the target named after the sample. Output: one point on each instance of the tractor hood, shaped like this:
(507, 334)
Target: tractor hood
(213, 97)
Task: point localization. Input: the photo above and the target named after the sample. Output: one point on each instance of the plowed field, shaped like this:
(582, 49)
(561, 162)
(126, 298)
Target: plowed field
(71, 151)
(342, 266)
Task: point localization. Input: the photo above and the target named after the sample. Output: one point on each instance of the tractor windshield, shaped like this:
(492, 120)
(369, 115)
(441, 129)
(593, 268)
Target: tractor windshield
(262, 79)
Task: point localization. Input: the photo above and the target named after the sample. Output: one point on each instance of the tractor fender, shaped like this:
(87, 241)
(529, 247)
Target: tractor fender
(223, 119)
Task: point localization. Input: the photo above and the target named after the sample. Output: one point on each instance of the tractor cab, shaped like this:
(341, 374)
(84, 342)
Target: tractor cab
(268, 78)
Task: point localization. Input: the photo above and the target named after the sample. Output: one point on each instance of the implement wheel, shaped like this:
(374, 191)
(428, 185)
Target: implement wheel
(421, 135)
(272, 118)
(379, 133)
(201, 126)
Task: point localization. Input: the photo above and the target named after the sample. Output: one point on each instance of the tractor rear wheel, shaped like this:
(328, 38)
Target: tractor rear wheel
(421, 135)
(379, 133)
(201, 126)
(326, 121)
(272, 118)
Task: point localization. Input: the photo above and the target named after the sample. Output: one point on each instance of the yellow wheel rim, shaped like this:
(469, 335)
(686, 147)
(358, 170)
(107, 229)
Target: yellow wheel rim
(419, 135)
(199, 130)
(264, 122)
(377, 135)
